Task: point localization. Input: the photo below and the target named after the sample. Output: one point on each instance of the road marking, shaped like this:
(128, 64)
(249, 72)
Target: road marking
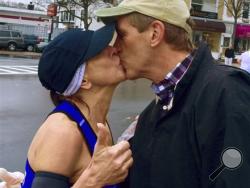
(18, 70)
(32, 68)
(4, 71)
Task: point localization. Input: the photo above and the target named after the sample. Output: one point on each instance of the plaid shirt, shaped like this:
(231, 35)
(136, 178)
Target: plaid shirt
(165, 89)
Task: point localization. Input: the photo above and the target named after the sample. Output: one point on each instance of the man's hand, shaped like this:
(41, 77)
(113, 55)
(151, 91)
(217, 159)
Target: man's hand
(109, 164)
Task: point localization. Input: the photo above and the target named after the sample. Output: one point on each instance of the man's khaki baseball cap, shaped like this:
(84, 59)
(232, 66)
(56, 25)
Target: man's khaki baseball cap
(175, 12)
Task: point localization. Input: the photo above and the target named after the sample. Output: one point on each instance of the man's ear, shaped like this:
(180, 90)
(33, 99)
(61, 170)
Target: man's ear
(86, 84)
(158, 32)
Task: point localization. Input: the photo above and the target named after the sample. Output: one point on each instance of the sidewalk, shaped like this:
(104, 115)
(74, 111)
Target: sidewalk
(32, 55)
(233, 64)
(222, 62)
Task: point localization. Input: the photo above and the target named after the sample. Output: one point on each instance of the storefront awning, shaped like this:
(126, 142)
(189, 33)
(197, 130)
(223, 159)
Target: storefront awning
(243, 31)
(205, 25)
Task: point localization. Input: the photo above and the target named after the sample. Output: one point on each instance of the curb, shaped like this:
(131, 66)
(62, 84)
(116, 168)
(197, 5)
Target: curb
(32, 55)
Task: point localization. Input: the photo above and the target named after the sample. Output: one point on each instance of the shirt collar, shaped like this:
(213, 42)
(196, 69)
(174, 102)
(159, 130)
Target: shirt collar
(172, 78)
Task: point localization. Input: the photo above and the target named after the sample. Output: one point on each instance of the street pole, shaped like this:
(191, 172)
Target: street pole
(51, 29)
(51, 11)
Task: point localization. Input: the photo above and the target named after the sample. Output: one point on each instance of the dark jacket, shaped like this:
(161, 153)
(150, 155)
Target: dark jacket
(180, 148)
(229, 53)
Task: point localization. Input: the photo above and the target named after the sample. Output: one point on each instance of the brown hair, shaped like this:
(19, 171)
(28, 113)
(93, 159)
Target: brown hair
(176, 36)
(56, 98)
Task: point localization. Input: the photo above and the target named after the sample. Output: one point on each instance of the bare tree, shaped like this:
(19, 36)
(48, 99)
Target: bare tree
(87, 6)
(235, 8)
(42, 4)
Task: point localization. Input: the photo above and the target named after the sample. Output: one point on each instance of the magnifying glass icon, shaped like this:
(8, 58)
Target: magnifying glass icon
(231, 159)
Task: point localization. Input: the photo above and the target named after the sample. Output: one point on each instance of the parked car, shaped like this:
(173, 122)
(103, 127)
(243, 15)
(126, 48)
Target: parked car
(41, 46)
(11, 39)
(30, 42)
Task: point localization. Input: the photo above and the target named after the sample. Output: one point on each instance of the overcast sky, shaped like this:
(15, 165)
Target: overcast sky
(20, 1)
(28, 1)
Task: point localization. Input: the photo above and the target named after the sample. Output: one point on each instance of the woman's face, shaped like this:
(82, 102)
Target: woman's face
(105, 68)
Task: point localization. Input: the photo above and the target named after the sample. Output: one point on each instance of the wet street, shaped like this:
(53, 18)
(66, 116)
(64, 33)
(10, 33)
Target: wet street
(24, 104)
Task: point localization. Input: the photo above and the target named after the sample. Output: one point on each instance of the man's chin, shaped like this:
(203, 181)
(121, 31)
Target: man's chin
(131, 77)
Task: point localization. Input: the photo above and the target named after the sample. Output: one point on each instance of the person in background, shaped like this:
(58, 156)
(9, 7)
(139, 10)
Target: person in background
(201, 109)
(244, 61)
(229, 55)
(73, 146)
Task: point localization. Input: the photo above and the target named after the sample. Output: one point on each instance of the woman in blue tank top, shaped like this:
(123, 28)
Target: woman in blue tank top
(81, 69)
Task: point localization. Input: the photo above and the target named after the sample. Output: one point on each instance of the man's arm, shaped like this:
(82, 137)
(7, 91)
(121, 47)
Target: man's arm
(228, 127)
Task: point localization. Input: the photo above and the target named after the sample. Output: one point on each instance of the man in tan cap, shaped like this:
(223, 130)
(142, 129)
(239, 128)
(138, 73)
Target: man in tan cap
(201, 108)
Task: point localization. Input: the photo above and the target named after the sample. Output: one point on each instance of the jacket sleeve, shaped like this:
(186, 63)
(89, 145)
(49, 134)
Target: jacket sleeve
(223, 128)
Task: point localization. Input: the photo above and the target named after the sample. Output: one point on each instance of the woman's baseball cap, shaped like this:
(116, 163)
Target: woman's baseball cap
(67, 52)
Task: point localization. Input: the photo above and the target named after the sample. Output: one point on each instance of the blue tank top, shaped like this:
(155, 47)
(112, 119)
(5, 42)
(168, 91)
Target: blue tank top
(75, 114)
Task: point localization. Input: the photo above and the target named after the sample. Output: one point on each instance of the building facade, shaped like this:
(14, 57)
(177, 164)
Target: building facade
(27, 21)
(242, 41)
(214, 24)
(209, 26)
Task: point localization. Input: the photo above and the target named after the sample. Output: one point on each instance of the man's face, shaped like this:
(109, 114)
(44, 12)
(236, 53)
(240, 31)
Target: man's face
(132, 48)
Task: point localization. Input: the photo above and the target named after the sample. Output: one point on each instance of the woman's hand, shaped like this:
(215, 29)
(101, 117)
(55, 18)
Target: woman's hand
(10, 179)
(109, 164)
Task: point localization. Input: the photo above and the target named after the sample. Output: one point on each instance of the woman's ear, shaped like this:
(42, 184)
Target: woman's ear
(86, 84)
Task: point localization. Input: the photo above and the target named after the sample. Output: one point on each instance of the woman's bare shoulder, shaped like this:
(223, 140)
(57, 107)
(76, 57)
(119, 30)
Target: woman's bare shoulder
(57, 145)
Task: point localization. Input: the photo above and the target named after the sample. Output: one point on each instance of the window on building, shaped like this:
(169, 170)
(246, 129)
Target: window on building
(68, 16)
(226, 42)
(72, 15)
(64, 16)
(204, 5)
(245, 13)
(197, 5)
(4, 34)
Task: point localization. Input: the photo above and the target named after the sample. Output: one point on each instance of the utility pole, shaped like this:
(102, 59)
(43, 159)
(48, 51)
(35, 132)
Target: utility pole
(51, 29)
(51, 11)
